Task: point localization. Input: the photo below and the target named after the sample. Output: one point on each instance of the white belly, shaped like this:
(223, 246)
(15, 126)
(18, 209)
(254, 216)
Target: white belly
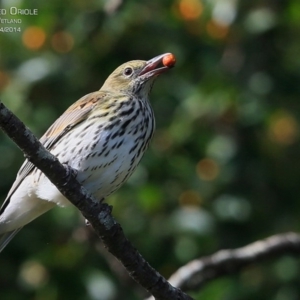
(102, 167)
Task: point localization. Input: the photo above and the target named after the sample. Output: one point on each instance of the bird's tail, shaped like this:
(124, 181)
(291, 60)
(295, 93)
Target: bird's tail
(6, 237)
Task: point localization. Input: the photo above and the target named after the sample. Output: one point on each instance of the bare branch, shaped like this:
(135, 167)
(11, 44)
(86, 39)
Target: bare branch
(98, 214)
(197, 272)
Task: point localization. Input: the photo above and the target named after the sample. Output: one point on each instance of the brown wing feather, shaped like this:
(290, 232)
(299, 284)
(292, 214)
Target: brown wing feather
(75, 114)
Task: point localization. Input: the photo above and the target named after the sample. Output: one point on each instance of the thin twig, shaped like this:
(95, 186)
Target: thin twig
(198, 272)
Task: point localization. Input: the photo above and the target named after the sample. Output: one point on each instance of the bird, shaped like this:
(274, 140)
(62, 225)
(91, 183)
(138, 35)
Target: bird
(101, 137)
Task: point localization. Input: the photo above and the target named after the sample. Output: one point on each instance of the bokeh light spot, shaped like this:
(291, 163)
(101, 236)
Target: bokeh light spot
(224, 11)
(34, 38)
(62, 42)
(222, 148)
(260, 20)
(208, 169)
(217, 30)
(286, 268)
(162, 141)
(190, 197)
(4, 79)
(190, 9)
(261, 83)
(230, 207)
(192, 219)
(283, 129)
(186, 248)
(34, 274)
(100, 287)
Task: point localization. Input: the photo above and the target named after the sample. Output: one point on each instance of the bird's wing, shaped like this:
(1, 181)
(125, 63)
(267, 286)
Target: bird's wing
(75, 114)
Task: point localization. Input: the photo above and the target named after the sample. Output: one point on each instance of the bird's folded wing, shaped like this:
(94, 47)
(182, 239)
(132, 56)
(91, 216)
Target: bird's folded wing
(75, 114)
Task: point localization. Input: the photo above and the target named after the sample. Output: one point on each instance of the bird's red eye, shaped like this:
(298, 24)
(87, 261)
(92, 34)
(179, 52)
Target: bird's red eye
(128, 71)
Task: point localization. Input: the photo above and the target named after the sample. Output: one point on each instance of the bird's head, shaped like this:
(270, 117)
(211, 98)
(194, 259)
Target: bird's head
(137, 76)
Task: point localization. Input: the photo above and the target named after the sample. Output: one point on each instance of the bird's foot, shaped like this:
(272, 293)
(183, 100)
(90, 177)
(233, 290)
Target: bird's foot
(69, 172)
(87, 222)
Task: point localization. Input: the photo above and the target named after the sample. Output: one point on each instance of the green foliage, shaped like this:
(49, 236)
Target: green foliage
(224, 166)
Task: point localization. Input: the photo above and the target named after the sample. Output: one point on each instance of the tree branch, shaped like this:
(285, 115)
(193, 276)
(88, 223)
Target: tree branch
(98, 214)
(197, 272)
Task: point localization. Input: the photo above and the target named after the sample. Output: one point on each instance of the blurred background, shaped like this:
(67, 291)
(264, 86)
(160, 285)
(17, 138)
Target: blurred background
(223, 169)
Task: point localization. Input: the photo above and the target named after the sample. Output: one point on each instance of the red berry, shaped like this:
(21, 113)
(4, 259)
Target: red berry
(169, 60)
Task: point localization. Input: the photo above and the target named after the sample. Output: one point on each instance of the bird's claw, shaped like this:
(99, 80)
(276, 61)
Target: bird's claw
(69, 172)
